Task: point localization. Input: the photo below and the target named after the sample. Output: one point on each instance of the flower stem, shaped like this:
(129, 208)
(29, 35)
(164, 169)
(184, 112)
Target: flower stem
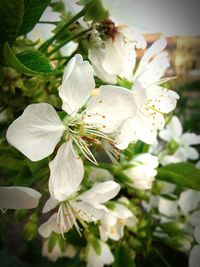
(46, 44)
(162, 258)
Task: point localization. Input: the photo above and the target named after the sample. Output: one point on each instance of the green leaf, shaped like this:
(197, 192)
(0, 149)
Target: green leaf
(33, 10)
(123, 258)
(11, 14)
(183, 174)
(35, 61)
(28, 62)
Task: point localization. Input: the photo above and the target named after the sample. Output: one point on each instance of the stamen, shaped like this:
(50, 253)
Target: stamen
(84, 149)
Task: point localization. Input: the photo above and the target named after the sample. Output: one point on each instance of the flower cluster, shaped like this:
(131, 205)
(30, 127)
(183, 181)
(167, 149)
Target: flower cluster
(106, 142)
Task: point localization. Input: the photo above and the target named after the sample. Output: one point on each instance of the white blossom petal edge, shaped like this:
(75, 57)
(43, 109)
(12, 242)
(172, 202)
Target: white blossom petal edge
(18, 197)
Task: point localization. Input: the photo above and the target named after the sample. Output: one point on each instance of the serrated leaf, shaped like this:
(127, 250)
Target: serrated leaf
(183, 174)
(28, 62)
(123, 258)
(11, 14)
(33, 10)
(35, 61)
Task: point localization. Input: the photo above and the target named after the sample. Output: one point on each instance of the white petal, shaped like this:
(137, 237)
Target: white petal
(148, 122)
(96, 56)
(77, 84)
(134, 36)
(50, 205)
(101, 192)
(168, 207)
(126, 134)
(36, 132)
(173, 130)
(123, 212)
(190, 139)
(66, 173)
(54, 254)
(150, 53)
(18, 197)
(194, 257)
(105, 258)
(162, 99)
(119, 56)
(191, 152)
(87, 211)
(68, 49)
(189, 200)
(114, 55)
(152, 72)
(141, 176)
(109, 219)
(116, 232)
(168, 159)
(147, 160)
(147, 119)
(50, 226)
(110, 108)
(106, 255)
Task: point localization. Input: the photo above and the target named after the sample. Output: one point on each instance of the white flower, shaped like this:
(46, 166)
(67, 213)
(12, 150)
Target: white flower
(143, 172)
(194, 257)
(179, 143)
(18, 197)
(113, 223)
(95, 259)
(186, 207)
(86, 207)
(39, 129)
(56, 252)
(116, 55)
(113, 41)
(152, 100)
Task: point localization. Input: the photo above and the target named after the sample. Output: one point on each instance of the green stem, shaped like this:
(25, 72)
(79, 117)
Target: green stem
(70, 38)
(46, 44)
(162, 258)
(48, 22)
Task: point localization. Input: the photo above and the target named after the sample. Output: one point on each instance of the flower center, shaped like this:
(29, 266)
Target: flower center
(67, 218)
(172, 146)
(84, 135)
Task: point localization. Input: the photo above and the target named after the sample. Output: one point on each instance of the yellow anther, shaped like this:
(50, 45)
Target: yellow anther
(95, 91)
